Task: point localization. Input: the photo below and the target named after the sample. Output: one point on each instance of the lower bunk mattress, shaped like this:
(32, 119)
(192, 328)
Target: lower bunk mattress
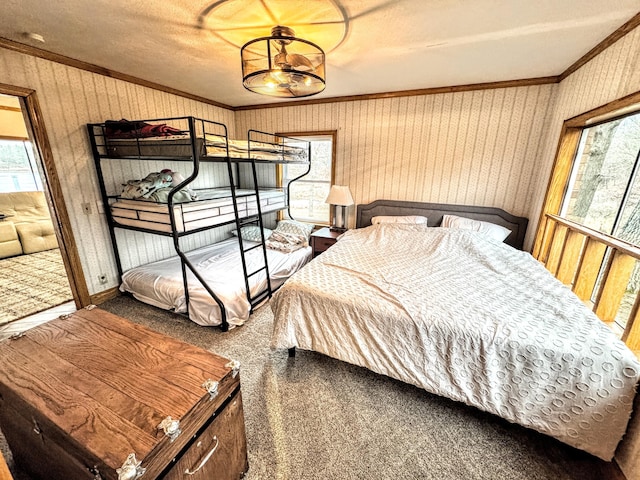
(220, 265)
(214, 210)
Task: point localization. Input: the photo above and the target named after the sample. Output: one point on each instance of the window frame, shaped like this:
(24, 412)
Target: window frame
(570, 188)
(557, 238)
(568, 146)
(280, 168)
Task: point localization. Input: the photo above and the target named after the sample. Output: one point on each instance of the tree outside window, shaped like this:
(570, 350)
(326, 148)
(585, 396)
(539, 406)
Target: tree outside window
(603, 192)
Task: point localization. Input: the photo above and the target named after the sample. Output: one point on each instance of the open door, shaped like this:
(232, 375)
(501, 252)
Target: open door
(43, 160)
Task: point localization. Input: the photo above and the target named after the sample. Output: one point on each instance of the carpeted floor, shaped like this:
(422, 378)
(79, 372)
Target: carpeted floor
(313, 417)
(32, 283)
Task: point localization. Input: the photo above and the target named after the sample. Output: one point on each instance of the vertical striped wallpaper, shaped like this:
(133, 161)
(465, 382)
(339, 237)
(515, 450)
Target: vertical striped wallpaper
(477, 147)
(70, 98)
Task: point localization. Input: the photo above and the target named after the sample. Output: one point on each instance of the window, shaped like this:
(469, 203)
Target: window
(18, 172)
(589, 231)
(603, 191)
(307, 195)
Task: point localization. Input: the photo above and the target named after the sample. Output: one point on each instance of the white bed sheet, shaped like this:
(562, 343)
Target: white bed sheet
(161, 283)
(473, 320)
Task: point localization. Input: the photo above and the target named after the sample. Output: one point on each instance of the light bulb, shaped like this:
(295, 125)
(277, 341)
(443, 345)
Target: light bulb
(280, 76)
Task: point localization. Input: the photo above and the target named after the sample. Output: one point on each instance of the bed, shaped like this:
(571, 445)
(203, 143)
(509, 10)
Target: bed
(214, 207)
(161, 283)
(459, 315)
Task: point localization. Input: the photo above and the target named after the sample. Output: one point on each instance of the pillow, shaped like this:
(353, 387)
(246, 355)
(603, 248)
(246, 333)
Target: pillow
(37, 236)
(294, 227)
(415, 219)
(252, 233)
(490, 230)
(9, 243)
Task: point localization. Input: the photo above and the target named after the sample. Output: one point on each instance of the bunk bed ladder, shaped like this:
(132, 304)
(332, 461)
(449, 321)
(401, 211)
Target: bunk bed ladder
(259, 297)
(256, 299)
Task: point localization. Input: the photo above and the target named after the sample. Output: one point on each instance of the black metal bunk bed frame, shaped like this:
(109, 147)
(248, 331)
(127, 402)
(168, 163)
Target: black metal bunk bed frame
(99, 141)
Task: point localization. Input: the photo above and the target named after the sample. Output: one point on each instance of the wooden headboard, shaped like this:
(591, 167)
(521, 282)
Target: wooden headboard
(435, 211)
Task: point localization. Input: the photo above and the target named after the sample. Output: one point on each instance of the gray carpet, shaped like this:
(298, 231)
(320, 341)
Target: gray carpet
(314, 417)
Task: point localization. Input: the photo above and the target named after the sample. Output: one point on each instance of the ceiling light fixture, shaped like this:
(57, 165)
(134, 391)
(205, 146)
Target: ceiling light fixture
(282, 65)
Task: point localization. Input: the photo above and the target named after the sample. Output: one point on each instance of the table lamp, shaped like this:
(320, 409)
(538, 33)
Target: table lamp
(340, 198)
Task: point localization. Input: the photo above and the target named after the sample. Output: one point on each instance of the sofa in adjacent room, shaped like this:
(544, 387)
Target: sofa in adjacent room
(26, 225)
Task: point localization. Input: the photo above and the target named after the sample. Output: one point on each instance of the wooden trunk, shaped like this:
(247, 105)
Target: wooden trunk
(80, 395)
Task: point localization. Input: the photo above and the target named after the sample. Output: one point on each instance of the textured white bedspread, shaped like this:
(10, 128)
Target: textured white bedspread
(161, 284)
(473, 320)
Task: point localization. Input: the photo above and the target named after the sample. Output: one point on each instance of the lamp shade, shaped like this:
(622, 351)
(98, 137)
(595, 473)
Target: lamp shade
(282, 65)
(339, 195)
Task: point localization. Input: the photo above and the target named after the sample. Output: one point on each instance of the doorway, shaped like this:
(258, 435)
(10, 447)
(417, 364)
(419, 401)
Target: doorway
(51, 194)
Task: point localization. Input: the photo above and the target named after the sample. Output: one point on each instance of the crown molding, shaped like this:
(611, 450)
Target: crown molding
(410, 93)
(603, 45)
(90, 67)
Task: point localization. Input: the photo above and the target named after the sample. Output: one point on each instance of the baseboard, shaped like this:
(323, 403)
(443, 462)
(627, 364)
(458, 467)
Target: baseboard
(105, 295)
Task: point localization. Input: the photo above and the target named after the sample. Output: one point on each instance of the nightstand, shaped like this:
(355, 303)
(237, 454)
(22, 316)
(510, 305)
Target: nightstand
(322, 239)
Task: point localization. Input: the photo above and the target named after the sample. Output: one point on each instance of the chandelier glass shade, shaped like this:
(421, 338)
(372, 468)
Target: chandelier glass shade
(282, 65)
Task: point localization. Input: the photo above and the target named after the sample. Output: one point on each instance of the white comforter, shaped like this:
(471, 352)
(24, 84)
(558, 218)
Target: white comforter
(469, 319)
(161, 283)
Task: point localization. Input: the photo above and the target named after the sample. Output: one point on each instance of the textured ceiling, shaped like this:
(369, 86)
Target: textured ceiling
(372, 46)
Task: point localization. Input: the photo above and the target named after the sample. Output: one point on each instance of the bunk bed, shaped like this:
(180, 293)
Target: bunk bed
(464, 315)
(185, 179)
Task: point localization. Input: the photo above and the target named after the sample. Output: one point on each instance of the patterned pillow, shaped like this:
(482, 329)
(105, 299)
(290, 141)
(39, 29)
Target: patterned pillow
(296, 228)
(489, 230)
(252, 233)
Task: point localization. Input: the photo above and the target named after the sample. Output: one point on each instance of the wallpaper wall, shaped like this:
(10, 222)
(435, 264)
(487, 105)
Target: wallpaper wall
(70, 98)
(478, 147)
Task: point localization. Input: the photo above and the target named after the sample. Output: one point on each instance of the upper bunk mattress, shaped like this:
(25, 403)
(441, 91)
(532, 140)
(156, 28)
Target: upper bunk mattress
(215, 209)
(210, 146)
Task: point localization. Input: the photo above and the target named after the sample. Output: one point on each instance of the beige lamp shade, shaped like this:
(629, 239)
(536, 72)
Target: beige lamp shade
(339, 195)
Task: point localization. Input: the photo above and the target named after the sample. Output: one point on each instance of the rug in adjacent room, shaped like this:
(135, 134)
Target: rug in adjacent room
(32, 283)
